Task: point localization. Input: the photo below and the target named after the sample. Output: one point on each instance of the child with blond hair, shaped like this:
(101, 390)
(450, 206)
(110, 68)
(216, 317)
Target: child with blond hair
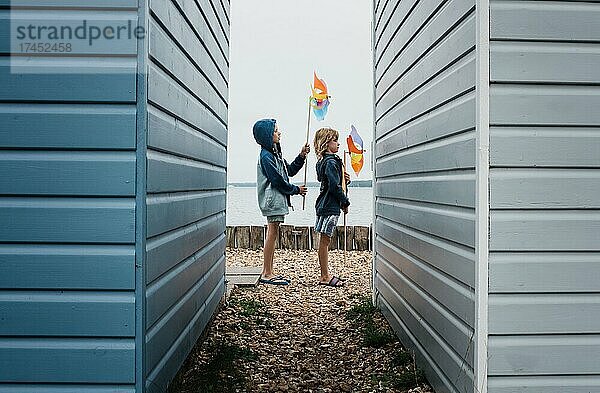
(331, 199)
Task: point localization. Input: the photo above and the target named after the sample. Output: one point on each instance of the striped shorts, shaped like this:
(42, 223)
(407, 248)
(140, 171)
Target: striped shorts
(326, 224)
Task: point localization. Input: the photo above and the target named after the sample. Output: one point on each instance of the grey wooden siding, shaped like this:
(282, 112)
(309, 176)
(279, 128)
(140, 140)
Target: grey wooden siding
(425, 181)
(186, 178)
(544, 289)
(67, 208)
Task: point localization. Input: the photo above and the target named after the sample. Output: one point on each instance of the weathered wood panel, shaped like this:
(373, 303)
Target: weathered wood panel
(257, 237)
(242, 236)
(302, 238)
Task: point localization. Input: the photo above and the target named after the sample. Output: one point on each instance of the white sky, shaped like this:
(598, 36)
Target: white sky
(274, 47)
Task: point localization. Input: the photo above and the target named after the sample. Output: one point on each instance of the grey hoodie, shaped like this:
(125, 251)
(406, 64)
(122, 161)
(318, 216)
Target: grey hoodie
(272, 172)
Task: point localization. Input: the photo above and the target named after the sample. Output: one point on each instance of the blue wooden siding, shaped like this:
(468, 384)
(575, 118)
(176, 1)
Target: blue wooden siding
(186, 178)
(67, 205)
(425, 181)
(544, 296)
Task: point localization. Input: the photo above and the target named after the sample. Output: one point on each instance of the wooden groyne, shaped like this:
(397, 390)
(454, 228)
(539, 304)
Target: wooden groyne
(299, 238)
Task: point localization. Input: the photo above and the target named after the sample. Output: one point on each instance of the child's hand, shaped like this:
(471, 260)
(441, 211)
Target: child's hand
(347, 177)
(305, 150)
(303, 190)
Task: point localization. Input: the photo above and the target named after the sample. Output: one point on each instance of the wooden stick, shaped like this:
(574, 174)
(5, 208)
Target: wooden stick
(306, 159)
(344, 187)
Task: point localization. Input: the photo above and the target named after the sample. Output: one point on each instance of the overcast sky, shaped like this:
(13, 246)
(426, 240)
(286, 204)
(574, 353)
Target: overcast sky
(274, 47)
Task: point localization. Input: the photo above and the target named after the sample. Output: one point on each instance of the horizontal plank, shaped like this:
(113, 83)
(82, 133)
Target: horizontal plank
(450, 364)
(67, 220)
(167, 134)
(163, 92)
(435, 376)
(539, 230)
(442, 187)
(455, 152)
(161, 337)
(206, 26)
(543, 355)
(545, 384)
(67, 267)
(68, 26)
(161, 375)
(63, 126)
(80, 360)
(67, 313)
(202, 52)
(454, 297)
(163, 293)
(223, 21)
(544, 313)
(168, 250)
(200, 81)
(458, 80)
(544, 272)
(422, 59)
(454, 260)
(545, 146)
(545, 20)
(391, 29)
(67, 173)
(171, 211)
(455, 332)
(521, 188)
(385, 13)
(111, 4)
(428, 22)
(544, 105)
(451, 118)
(168, 173)
(535, 62)
(77, 79)
(451, 223)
